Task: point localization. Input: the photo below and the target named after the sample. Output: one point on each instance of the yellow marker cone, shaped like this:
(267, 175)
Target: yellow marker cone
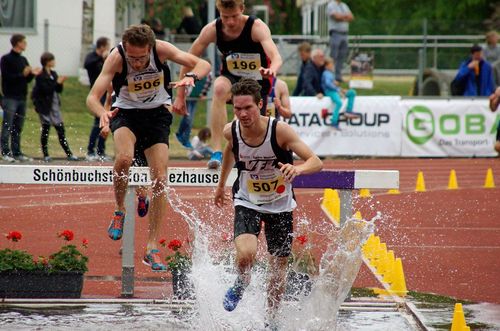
(489, 182)
(452, 182)
(393, 191)
(398, 286)
(420, 187)
(458, 322)
(331, 203)
(378, 253)
(391, 265)
(387, 264)
(364, 193)
(357, 216)
(370, 245)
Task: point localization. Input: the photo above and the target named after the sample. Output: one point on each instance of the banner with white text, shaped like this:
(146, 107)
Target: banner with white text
(376, 131)
(450, 127)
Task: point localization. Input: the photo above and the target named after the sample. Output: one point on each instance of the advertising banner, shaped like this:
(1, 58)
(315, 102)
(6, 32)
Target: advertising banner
(455, 127)
(376, 131)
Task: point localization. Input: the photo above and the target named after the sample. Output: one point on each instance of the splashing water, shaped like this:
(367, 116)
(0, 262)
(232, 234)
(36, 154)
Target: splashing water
(316, 311)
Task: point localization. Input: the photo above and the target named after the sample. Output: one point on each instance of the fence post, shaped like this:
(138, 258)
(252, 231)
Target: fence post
(45, 35)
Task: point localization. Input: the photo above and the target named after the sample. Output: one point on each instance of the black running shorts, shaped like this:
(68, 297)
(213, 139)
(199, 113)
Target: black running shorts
(278, 228)
(150, 126)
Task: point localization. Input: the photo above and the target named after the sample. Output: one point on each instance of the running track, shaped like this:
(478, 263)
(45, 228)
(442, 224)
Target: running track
(449, 240)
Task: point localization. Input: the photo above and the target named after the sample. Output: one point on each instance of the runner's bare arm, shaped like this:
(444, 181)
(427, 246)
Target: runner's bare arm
(101, 85)
(282, 99)
(288, 139)
(227, 165)
(262, 34)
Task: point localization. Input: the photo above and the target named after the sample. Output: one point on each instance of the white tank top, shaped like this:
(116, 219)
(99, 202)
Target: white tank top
(143, 89)
(260, 185)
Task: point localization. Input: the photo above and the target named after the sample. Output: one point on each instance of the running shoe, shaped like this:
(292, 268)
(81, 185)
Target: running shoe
(142, 206)
(184, 142)
(232, 297)
(72, 158)
(215, 161)
(91, 157)
(153, 260)
(47, 159)
(8, 158)
(23, 158)
(115, 229)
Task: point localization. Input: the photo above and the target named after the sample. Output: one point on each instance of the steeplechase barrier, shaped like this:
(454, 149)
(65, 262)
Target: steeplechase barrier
(345, 181)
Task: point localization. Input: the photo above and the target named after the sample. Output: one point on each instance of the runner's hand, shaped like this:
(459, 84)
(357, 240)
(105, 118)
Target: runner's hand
(289, 171)
(105, 131)
(179, 106)
(267, 72)
(220, 197)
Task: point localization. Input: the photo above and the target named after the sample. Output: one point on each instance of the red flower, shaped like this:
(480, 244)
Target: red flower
(14, 236)
(85, 242)
(67, 235)
(174, 245)
(302, 239)
(163, 242)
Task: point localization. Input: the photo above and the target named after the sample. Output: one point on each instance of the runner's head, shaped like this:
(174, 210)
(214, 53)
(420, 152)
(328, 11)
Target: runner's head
(138, 40)
(231, 12)
(247, 101)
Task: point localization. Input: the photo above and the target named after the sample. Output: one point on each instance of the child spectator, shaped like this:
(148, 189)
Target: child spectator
(201, 149)
(335, 92)
(45, 96)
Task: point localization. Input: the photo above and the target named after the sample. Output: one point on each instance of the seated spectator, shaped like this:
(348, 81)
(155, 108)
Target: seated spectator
(189, 24)
(475, 75)
(45, 96)
(491, 49)
(278, 101)
(311, 84)
(494, 102)
(201, 149)
(305, 56)
(335, 92)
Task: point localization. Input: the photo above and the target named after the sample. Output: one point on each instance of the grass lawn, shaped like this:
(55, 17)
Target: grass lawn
(78, 120)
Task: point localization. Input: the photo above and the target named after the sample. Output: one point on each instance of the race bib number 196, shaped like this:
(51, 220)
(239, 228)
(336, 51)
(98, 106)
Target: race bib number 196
(244, 65)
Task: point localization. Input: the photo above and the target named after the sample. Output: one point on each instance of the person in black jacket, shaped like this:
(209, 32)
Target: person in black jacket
(311, 83)
(45, 96)
(16, 74)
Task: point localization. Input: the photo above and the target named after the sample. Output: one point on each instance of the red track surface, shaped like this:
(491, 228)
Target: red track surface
(449, 240)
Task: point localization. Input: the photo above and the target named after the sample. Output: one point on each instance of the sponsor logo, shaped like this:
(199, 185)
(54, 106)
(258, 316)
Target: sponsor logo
(76, 176)
(420, 125)
(193, 178)
(324, 118)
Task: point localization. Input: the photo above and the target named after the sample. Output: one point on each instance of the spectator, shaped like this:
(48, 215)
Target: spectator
(311, 85)
(189, 24)
(475, 75)
(491, 49)
(305, 56)
(201, 149)
(93, 64)
(332, 90)
(158, 28)
(339, 16)
(494, 102)
(198, 92)
(45, 96)
(16, 74)
(279, 100)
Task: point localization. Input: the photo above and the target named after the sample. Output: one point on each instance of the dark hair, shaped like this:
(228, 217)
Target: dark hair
(204, 134)
(305, 47)
(247, 86)
(102, 42)
(16, 38)
(46, 58)
(229, 4)
(139, 35)
(475, 48)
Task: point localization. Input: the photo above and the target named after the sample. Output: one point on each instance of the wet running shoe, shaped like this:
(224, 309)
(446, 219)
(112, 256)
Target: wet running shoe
(215, 161)
(153, 260)
(115, 229)
(232, 297)
(142, 206)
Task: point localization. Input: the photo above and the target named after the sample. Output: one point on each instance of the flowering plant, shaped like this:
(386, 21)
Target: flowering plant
(178, 261)
(302, 260)
(68, 258)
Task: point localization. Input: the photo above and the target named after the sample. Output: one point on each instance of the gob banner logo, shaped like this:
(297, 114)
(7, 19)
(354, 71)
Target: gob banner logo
(420, 125)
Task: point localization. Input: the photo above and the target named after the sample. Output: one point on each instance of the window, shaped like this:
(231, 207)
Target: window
(17, 14)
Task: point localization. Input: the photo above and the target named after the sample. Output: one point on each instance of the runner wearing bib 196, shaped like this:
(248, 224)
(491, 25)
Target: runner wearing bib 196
(141, 119)
(262, 148)
(248, 51)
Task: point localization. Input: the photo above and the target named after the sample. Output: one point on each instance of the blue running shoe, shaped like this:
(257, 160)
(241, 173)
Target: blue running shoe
(153, 260)
(115, 229)
(142, 206)
(215, 161)
(232, 297)
(184, 142)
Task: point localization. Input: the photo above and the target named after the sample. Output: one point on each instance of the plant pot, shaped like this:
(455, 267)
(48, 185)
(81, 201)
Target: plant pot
(39, 284)
(182, 286)
(297, 284)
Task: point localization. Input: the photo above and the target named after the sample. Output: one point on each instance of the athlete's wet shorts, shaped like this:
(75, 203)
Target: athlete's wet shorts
(150, 126)
(264, 91)
(278, 228)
